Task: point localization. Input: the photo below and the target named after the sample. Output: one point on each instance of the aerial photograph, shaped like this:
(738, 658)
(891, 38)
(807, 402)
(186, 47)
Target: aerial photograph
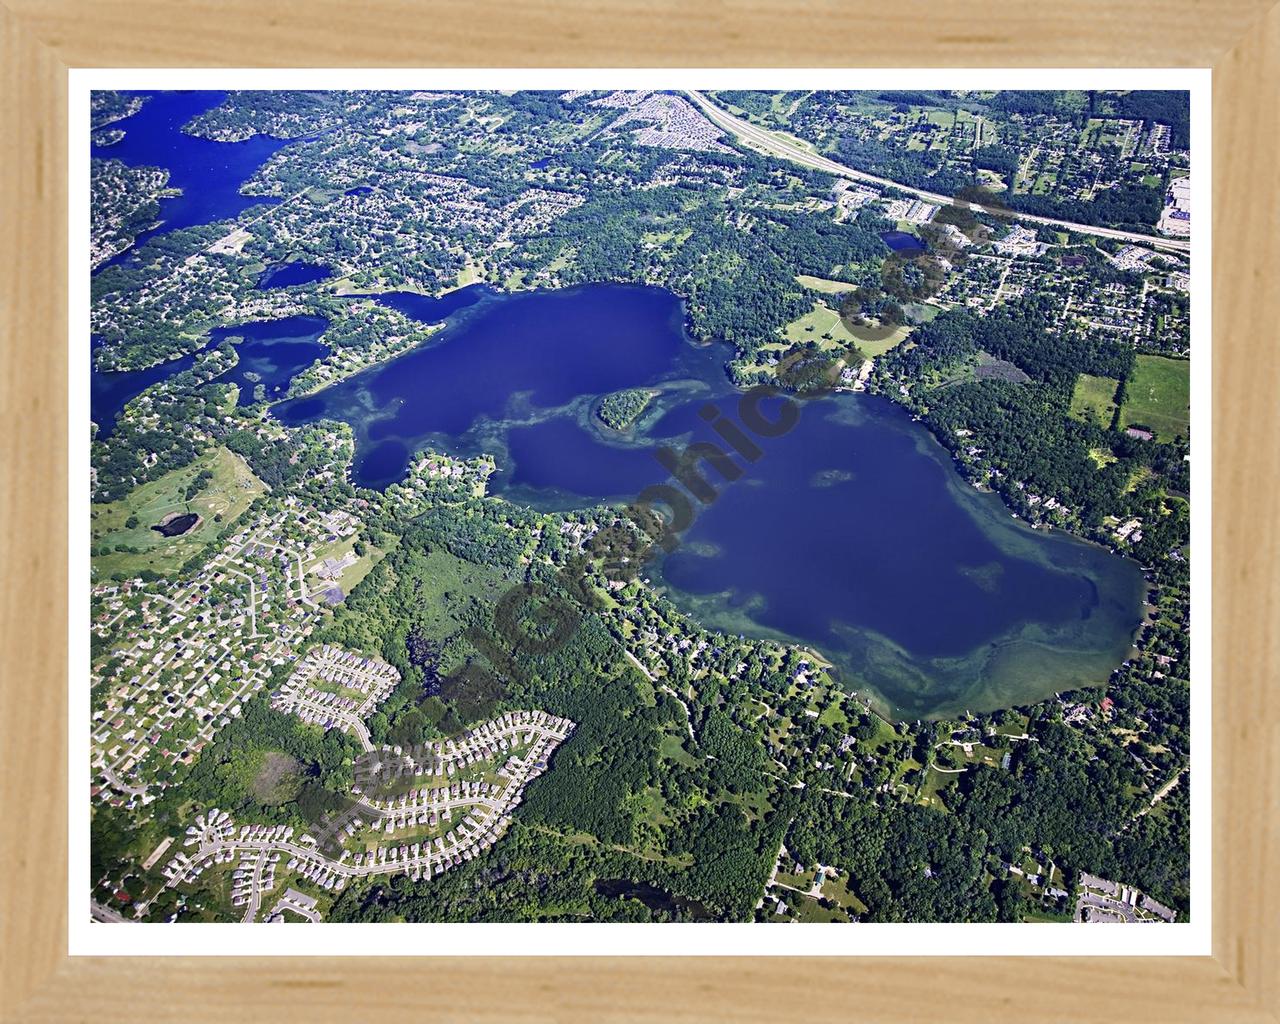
(647, 506)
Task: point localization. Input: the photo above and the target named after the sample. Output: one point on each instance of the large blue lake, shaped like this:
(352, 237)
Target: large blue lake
(851, 533)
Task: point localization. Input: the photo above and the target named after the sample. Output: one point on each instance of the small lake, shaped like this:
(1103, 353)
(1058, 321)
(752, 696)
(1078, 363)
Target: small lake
(176, 526)
(109, 393)
(504, 360)
(286, 275)
(901, 241)
(852, 533)
(653, 897)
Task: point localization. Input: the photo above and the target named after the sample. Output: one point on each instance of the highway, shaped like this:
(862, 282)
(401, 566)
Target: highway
(760, 138)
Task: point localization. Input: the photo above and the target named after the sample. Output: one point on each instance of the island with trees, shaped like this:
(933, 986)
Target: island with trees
(622, 408)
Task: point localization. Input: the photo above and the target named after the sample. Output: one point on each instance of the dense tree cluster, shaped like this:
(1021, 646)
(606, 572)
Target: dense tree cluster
(620, 409)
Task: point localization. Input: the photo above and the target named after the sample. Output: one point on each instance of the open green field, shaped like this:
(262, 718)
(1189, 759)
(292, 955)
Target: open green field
(879, 348)
(824, 284)
(833, 714)
(801, 882)
(921, 312)
(230, 491)
(824, 326)
(671, 748)
(1092, 399)
(359, 569)
(932, 785)
(468, 275)
(1159, 396)
(1014, 724)
(821, 325)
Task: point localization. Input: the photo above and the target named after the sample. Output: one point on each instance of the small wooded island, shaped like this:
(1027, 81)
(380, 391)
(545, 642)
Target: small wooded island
(622, 408)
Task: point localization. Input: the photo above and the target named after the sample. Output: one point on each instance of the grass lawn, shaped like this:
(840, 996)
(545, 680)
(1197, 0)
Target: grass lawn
(378, 285)
(564, 258)
(230, 491)
(791, 140)
(934, 782)
(1159, 396)
(671, 748)
(468, 275)
(834, 714)
(879, 348)
(1092, 399)
(838, 890)
(1016, 726)
(802, 882)
(985, 755)
(352, 574)
(824, 326)
(359, 569)
(885, 734)
(812, 912)
(921, 311)
(823, 284)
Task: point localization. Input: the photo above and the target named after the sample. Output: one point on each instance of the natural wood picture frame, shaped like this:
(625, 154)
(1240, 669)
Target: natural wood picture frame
(42, 39)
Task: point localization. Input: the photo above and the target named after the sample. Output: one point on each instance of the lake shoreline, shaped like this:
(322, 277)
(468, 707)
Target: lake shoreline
(982, 573)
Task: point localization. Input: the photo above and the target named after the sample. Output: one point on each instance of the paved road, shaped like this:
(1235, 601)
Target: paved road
(1167, 788)
(116, 783)
(345, 719)
(255, 890)
(777, 146)
(105, 914)
(688, 718)
(1113, 911)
